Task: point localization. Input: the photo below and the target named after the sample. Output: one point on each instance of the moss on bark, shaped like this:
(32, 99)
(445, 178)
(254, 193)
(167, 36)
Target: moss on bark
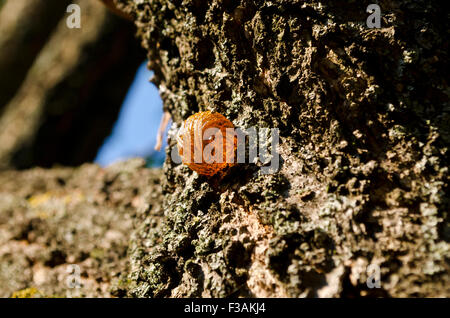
(363, 116)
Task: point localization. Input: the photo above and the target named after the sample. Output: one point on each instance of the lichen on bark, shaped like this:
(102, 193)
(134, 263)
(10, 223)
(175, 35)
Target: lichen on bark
(363, 117)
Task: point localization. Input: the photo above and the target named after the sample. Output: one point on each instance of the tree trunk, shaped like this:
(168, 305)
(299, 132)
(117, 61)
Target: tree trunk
(25, 26)
(363, 117)
(64, 232)
(362, 187)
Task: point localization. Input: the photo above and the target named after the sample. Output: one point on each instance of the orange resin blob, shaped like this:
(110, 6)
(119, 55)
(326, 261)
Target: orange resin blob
(200, 147)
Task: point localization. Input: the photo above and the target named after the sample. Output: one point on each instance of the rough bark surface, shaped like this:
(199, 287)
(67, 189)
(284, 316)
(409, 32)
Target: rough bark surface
(363, 116)
(54, 220)
(72, 94)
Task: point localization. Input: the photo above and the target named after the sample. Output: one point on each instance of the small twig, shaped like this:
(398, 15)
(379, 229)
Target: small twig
(162, 128)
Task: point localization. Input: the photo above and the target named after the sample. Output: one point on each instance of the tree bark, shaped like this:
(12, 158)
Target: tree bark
(363, 183)
(64, 232)
(363, 117)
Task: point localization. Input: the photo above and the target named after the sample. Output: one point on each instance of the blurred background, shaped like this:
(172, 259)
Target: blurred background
(71, 96)
(134, 133)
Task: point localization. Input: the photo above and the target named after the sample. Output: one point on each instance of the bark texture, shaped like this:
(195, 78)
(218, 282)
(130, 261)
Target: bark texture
(67, 227)
(363, 116)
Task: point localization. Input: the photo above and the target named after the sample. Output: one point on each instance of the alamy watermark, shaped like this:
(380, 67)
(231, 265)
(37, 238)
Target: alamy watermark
(73, 279)
(374, 276)
(374, 19)
(230, 146)
(73, 21)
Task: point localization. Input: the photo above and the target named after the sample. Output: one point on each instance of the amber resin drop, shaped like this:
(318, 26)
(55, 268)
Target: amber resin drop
(192, 140)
